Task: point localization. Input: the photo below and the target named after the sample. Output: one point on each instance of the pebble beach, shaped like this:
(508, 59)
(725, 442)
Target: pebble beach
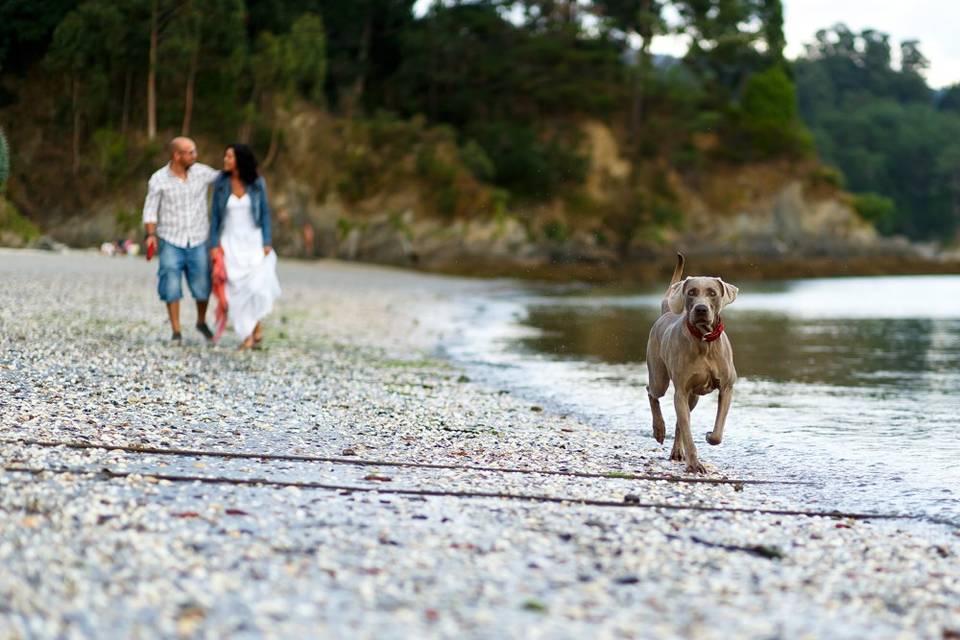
(379, 491)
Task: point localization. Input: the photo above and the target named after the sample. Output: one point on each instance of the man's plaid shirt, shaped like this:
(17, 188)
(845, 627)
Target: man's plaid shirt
(179, 207)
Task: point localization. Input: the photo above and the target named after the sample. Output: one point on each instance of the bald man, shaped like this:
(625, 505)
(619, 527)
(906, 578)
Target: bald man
(175, 219)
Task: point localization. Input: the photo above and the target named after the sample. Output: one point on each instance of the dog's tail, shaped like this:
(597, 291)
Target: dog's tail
(677, 271)
(674, 279)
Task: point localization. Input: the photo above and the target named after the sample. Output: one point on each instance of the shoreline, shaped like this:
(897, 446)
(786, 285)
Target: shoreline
(659, 268)
(652, 268)
(512, 344)
(351, 370)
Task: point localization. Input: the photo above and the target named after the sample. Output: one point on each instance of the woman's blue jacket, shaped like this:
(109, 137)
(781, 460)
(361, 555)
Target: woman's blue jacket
(258, 203)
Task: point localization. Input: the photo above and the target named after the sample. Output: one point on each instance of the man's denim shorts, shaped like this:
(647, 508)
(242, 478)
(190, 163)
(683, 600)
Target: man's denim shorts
(174, 261)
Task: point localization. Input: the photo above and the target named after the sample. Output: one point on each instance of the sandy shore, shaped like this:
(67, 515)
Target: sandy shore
(94, 544)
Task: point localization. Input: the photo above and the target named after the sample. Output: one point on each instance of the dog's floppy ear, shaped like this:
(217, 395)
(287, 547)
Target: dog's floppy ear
(675, 296)
(729, 293)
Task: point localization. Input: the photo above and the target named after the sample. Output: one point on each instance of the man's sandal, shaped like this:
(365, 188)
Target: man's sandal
(205, 330)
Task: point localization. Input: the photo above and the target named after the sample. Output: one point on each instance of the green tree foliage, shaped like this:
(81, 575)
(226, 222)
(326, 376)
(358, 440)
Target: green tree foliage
(880, 125)
(285, 66)
(746, 96)
(203, 59)
(83, 45)
(512, 80)
(949, 99)
(499, 82)
(769, 114)
(730, 39)
(877, 209)
(642, 19)
(26, 29)
(362, 42)
(309, 56)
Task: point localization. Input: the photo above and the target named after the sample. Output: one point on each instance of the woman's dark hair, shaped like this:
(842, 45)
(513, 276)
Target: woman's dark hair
(246, 162)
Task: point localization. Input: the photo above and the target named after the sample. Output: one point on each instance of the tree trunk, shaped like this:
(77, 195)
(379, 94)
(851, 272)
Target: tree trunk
(152, 74)
(191, 80)
(244, 132)
(125, 113)
(274, 144)
(76, 126)
(246, 127)
(640, 77)
(359, 85)
(636, 98)
(432, 91)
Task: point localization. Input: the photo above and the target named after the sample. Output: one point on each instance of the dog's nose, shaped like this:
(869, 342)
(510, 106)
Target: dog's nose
(700, 309)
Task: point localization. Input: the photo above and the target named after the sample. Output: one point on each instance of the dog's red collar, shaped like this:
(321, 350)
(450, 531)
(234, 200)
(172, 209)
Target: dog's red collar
(706, 337)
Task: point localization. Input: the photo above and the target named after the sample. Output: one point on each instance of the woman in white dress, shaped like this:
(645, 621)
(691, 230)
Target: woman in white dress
(240, 228)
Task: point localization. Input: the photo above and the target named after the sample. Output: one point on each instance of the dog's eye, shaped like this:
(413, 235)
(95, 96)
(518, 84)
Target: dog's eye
(711, 293)
(692, 292)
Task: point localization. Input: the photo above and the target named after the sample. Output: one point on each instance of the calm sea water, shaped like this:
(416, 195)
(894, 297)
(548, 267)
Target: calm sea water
(851, 383)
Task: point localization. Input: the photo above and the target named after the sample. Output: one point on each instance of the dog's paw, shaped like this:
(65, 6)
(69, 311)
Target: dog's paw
(676, 453)
(659, 432)
(695, 466)
(712, 440)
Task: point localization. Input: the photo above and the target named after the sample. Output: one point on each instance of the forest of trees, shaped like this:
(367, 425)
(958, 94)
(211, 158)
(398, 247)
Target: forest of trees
(508, 77)
(896, 141)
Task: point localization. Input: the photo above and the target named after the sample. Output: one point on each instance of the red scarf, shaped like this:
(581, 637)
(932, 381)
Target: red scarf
(706, 337)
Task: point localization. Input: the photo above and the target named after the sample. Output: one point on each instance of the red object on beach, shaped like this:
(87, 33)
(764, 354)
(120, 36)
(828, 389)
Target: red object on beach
(151, 249)
(219, 277)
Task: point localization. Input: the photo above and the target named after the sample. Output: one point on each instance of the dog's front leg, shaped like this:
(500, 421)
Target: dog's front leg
(681, 403)
(723, 407)
(676, 453)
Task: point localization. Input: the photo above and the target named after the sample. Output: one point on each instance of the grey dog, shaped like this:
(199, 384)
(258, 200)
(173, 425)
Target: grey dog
(688, 346)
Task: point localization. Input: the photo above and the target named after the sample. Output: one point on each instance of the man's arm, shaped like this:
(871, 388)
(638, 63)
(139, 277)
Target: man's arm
(151, 208)
(208, 173)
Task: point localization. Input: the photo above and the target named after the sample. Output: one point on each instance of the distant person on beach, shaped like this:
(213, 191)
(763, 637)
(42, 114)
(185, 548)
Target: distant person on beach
(240, 231)
(175, 219)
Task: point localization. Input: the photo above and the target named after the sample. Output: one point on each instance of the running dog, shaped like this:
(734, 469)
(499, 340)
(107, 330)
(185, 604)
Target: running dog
(687, 346)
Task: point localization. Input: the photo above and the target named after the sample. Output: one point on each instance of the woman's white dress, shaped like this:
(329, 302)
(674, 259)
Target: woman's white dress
(252, 283)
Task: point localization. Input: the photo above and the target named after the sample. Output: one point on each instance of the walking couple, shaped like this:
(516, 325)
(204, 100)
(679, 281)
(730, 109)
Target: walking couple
(236, 239)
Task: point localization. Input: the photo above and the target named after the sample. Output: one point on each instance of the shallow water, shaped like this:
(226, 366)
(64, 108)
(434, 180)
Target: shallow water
(851, 383)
